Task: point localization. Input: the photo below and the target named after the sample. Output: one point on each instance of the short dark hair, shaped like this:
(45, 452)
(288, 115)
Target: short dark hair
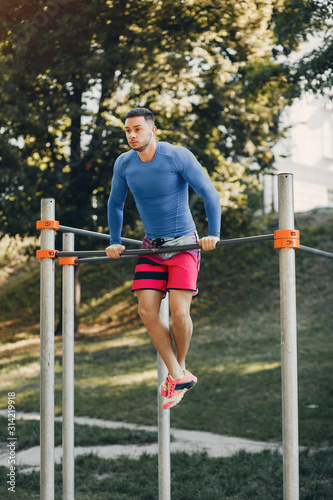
(146, 113)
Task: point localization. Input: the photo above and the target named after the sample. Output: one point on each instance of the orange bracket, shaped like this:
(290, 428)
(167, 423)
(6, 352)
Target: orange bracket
(286, 238)
(46, 254)
(47, 224)
(67, 261)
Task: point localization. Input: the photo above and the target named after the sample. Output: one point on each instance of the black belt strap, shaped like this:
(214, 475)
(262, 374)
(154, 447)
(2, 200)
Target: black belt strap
(158, 242)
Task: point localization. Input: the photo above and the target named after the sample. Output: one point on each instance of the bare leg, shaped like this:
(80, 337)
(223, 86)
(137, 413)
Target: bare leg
(149, 311)
(182, 326)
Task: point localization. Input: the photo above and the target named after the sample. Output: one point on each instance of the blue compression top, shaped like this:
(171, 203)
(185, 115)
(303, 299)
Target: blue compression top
(160, 190)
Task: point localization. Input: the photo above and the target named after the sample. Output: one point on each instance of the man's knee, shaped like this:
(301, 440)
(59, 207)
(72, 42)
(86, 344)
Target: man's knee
(143, 310)
(147, 313)
(180, 316)
(149, 305)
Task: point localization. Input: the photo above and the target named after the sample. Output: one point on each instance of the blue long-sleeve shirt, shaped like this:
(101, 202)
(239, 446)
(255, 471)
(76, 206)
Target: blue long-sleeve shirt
(160, 190)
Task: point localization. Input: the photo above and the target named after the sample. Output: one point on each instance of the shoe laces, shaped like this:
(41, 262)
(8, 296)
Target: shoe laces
(171, 386)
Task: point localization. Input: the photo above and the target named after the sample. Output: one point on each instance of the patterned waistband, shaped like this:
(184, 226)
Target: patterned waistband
(159, 242)
(186, 239)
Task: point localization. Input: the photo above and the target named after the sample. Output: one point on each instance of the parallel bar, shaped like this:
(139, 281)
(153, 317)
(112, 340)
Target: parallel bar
(68, 308)
(100, 253)
(321, 253)
(93, 234)
(288, 345)
(90, 260)
(47, 294)
(164, 465)
(234, 241)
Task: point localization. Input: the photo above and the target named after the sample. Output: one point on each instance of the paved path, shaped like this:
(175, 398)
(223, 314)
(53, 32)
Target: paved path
(182, 440)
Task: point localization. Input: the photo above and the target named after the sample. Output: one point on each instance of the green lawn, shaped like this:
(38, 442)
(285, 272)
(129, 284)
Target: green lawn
(241, 477)
(27, 432)
(235, 352)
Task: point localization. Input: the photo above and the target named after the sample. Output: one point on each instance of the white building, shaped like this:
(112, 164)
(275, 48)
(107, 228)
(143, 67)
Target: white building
(307, 153)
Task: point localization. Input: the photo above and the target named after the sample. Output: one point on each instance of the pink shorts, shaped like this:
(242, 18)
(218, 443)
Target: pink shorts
(178, 273)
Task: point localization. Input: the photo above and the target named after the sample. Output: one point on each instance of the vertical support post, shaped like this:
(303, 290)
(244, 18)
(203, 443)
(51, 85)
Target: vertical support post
(164, 467)
(68, 308)
(288, 345)
(47, 288)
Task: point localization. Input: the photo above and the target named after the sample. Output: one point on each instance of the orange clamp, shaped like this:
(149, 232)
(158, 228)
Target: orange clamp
(46, 254)
(286, 238)
(47, 224)
(67, 261)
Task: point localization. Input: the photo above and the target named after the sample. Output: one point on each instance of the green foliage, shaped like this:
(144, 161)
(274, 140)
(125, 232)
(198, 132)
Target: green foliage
(296, 21)
(315, 70)
(72, 69)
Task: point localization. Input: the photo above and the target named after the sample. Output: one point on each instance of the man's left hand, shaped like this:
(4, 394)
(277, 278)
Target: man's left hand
(208, 242)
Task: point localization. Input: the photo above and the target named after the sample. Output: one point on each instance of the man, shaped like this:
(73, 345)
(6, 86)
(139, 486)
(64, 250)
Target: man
(158, 175)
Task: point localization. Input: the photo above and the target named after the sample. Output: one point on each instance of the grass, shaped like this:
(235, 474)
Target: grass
(85, 435)
(241, 477)
(235, 352)
(235, 349)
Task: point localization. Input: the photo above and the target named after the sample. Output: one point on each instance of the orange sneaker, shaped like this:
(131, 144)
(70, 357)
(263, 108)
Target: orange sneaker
(177, 388)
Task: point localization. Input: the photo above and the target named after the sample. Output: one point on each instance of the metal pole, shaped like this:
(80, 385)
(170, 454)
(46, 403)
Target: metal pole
(164, 468)
(315, 251)
(47, 356)
(102, 236)
(288, 345)
(68, 308)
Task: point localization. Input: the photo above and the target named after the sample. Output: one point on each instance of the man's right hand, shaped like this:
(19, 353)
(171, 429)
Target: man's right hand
(114, 251)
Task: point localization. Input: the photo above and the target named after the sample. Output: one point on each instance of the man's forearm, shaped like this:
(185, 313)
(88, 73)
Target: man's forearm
(115, 221)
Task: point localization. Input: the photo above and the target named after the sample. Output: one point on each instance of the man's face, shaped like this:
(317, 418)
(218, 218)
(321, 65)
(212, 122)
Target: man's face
(139, 132)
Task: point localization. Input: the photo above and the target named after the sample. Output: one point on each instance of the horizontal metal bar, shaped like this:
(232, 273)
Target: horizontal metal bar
(246, 239)
(90, 260)
(101, 253)
(91, 253)
(321, 253)
(93, 234)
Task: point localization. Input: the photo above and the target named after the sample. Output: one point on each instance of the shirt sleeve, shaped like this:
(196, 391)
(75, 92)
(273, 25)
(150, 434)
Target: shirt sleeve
(193, 173)
(115, 207)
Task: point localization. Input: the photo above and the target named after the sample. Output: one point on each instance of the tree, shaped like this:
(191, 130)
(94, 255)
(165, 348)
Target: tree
(298, 21)
(72, 69)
